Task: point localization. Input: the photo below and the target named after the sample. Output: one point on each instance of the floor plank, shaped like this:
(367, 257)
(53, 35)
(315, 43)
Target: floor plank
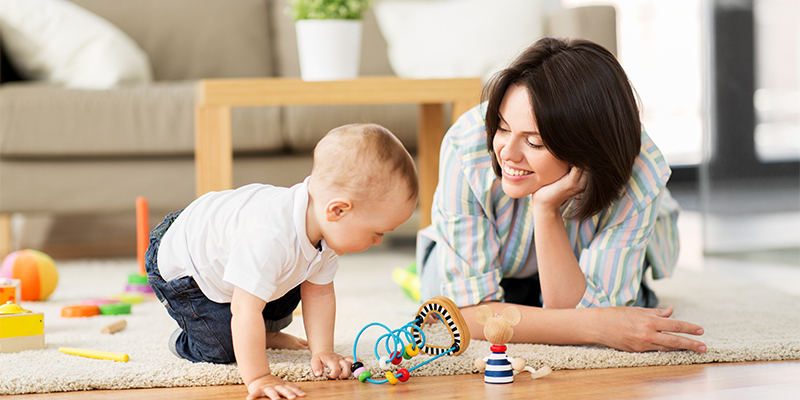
(756, 380)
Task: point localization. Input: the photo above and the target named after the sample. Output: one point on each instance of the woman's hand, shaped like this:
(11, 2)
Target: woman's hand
(643, 329)
(552, 196)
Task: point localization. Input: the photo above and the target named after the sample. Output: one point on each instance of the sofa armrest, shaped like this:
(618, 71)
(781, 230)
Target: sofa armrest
(596, 23)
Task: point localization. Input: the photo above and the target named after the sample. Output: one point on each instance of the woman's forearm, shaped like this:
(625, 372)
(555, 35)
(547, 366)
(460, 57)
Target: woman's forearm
(539, 325)
(623, 328)
(562, 280)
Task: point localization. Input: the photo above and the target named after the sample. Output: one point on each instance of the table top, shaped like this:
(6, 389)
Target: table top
(363, 90)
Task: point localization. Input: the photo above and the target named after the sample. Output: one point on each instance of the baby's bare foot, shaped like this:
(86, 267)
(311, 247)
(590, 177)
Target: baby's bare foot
(280, 340)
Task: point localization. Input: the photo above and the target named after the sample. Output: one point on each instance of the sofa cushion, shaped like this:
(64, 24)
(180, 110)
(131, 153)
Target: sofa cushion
(192, 39)
(57, 41)
(167, 182)
(158, 119)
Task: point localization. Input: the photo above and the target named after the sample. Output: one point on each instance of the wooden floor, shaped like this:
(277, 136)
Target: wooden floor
(763, 380)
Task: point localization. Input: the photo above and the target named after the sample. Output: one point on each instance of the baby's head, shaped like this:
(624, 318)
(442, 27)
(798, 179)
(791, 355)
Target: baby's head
(363, 183)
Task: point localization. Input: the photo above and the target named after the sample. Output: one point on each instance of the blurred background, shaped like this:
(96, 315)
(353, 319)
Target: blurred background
(720, 85)
(719, 82)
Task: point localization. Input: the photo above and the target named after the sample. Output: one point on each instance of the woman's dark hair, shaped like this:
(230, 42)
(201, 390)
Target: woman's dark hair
(585, 109)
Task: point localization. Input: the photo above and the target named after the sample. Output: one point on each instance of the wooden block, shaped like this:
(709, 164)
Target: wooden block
(20, 325)
(15, 344)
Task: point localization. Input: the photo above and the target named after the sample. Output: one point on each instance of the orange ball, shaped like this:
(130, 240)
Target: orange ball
(36, 271)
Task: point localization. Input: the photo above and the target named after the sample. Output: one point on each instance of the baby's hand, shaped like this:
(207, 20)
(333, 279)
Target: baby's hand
(339, 366)
(273, 387)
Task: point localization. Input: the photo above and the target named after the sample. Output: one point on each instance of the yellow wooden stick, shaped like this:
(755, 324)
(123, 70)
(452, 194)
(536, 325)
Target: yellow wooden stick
(104, 355)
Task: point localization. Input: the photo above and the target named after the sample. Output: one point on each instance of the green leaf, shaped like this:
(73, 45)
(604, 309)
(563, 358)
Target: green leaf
(327, 9)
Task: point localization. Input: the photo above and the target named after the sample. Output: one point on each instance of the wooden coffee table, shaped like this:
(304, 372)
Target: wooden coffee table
(216, 97)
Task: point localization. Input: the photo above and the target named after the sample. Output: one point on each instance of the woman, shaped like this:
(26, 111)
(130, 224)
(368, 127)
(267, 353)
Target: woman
(552, 195)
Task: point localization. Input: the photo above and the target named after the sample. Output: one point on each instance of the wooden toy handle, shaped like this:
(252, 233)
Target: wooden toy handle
(115, 327)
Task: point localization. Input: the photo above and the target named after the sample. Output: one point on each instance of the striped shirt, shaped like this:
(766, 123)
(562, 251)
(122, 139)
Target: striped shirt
(479, 235)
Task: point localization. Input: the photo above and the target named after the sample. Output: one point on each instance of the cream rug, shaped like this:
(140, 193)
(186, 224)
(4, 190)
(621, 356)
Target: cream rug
(743, 323)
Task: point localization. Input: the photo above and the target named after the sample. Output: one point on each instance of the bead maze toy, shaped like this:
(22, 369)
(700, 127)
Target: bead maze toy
(20, 329)
(498, 329)
(397, 349)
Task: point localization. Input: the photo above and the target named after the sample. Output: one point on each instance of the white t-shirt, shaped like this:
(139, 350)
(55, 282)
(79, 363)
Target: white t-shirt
(253, 237)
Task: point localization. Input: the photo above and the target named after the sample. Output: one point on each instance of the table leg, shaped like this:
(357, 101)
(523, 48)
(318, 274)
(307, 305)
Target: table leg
(460, 107)
(5, 235)
(429, 139)
(213, 154)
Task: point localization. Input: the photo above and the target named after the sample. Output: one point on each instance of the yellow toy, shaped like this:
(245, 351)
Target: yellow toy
(498, 329)
(20, 329)
(9, 290)
(100, 355)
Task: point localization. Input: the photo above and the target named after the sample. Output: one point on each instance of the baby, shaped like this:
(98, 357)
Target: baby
(232, 266)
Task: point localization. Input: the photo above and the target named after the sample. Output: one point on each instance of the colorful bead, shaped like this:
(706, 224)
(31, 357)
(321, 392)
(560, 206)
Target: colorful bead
(364, 376)
(397, 358)
(356, 365)
(412, 350)
(406, 355)
(391, 378)
(359, 371)
(384, 363)
(404, 375)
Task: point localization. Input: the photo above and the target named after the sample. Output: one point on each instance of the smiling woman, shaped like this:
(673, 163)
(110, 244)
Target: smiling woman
(524, 160)
(551, 194)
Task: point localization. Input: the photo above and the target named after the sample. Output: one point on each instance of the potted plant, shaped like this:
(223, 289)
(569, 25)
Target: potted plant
(328, 37)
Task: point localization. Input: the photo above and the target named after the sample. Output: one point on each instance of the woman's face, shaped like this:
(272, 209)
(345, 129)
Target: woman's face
(526, 163)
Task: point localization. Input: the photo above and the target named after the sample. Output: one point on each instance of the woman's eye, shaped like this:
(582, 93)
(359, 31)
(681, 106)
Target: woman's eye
(534, 145)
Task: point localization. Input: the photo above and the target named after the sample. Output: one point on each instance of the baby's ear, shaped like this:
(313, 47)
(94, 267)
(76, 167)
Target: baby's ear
(337, 208)
(512, 315)
(483, 314)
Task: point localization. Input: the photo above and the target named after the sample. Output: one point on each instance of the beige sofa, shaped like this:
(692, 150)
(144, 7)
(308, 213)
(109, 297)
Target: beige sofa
(92, 152)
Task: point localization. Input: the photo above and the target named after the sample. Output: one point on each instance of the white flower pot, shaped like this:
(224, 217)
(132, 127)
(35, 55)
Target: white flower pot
(329, 49)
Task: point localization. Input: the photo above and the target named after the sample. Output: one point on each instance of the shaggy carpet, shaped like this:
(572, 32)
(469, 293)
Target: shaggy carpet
(743, 322)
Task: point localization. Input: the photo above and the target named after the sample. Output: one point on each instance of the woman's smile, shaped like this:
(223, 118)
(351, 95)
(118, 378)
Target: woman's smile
(512, 172)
